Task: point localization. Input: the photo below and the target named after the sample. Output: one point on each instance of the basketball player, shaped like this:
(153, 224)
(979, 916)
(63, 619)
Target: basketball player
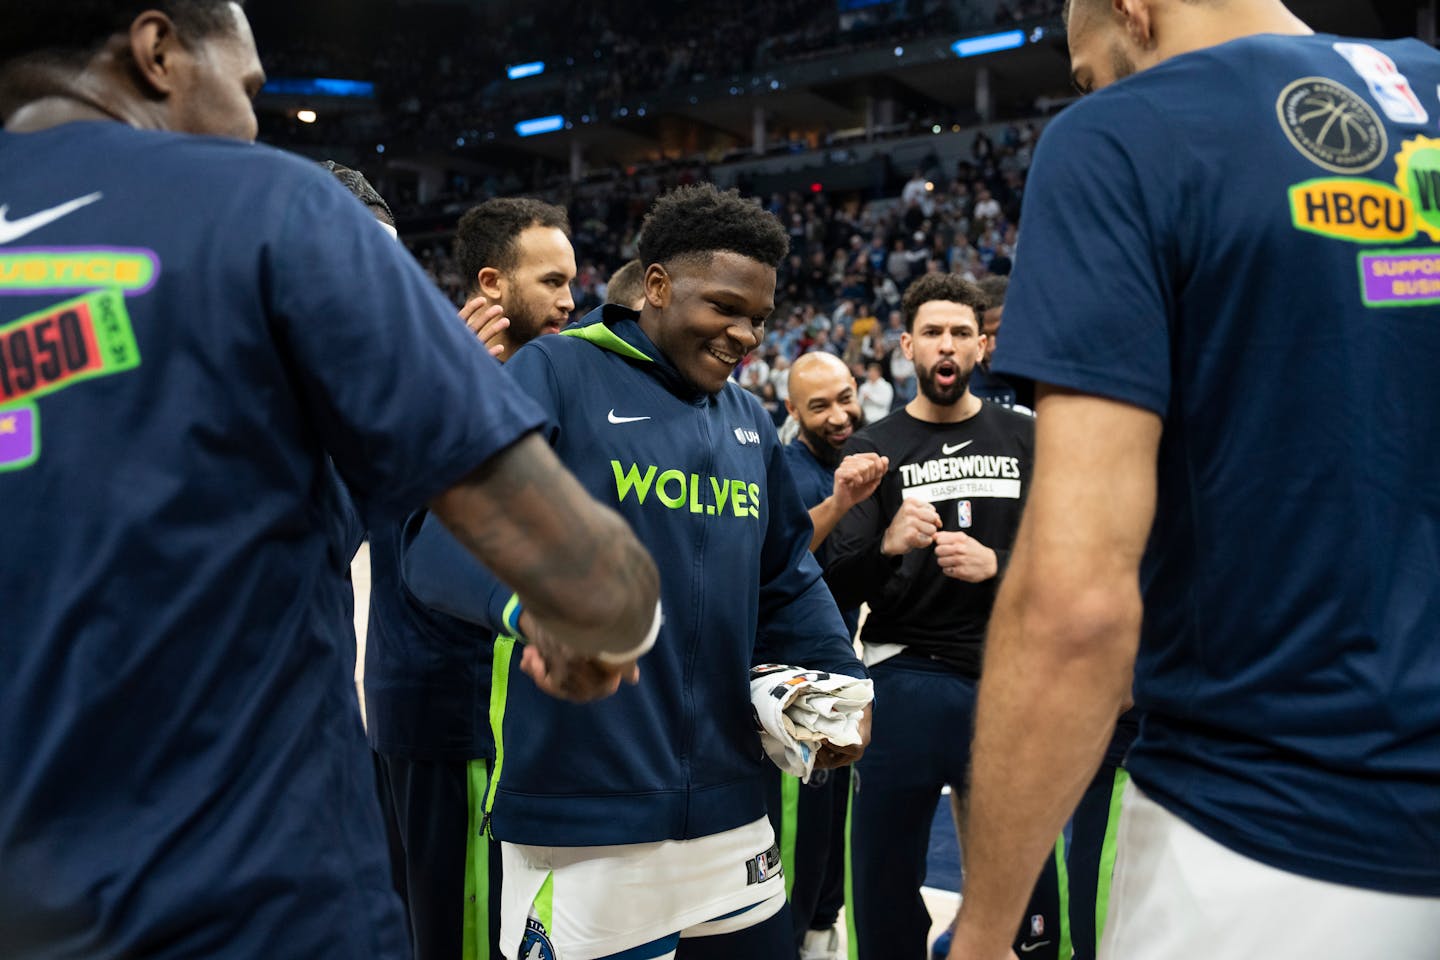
(636, 826)
(516, 256)
(925, 551)
(1239, 202)
(183, 765)
(427, 674)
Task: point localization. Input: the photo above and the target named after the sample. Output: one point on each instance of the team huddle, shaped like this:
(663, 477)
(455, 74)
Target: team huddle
(1165, 653)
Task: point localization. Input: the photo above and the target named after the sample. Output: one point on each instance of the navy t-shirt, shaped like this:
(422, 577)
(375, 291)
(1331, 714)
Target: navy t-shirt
(192, 331)
(816, 482)
(1245, 240)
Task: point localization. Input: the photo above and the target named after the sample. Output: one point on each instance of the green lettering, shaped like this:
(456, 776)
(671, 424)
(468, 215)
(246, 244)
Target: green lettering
(695, 505)
(631, 480)
(737, 497)
(673, 502)
(722, 493)
(755, 501)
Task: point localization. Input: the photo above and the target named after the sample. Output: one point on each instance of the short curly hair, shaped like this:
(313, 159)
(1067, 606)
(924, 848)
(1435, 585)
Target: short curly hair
(488, 235)
(700, 220)
(942, 286)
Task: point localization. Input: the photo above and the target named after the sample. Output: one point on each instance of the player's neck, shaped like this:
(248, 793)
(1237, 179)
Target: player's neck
(53, 111)
(924, 409)
(1199, 26)
(97, 92)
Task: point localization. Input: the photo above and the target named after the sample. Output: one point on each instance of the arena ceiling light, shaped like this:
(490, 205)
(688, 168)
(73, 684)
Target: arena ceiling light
(319, 87)
(530, 128)
(306, 116)
(989, 43)
(522, 70)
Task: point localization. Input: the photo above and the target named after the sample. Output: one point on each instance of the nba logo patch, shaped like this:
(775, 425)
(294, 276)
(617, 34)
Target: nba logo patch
(536, 945)
(762, 867)
(1037, 925)
(1387, 84)
(964, 513)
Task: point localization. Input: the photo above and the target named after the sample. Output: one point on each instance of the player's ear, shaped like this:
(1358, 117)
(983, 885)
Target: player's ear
(658, 286)
(490, 281)
(907, 343)
(1138, 17)
(154, 49)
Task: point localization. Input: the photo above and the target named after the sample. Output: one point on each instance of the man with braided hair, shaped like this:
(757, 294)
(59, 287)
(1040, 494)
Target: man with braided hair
(637, 826)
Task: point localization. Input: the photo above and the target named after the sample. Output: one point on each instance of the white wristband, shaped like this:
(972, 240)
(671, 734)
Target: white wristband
(639, 651)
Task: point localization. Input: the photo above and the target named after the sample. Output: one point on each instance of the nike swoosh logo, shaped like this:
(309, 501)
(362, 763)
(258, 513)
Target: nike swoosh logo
(1030, 947)
(947, 449)
(614, 419)
(15, 229)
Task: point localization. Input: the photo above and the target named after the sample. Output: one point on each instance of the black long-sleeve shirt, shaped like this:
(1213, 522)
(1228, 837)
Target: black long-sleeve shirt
(976, 473)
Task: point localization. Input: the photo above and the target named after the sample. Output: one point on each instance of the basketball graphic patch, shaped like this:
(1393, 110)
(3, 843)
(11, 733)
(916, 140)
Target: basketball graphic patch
(1331, 125)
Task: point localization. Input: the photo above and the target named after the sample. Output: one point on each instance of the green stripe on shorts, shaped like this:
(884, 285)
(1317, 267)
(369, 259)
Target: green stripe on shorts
(852, 943)
(1107, 855)
(545, 905)
(475, 944)
(789, 823)
(1062, 883)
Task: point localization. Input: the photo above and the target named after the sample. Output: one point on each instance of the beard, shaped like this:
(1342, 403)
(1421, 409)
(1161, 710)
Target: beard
(525, 325)
(947, 395)
(826, 452)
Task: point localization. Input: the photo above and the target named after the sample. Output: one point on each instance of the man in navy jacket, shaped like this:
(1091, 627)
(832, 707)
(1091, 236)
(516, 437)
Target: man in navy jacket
(638, 823)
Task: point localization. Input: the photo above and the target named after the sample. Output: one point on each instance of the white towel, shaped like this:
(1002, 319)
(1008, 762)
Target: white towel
(797, 709)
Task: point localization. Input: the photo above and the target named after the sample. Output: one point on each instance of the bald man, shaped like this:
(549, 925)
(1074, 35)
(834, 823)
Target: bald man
(809, 818)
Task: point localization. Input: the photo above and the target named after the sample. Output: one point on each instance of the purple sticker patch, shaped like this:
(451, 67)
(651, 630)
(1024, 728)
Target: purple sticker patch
(19, 436)
(1400, 278)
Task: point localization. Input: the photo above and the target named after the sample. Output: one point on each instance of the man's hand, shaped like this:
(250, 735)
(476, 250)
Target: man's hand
(913, 528)
(830, 756)
(487, 323)
(565, 675)
(857, 477)
(963, 557)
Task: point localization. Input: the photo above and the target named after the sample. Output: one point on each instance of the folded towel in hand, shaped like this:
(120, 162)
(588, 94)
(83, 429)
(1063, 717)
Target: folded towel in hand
(797, 710)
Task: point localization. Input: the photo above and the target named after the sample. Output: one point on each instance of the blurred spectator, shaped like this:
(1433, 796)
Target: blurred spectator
(876, 394)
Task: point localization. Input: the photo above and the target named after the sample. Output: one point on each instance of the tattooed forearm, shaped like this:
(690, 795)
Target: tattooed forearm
(575, 564)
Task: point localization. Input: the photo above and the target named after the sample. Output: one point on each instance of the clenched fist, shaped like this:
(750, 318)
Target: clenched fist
(566, 675)
(857, 477)
(963, 557)
(913, 528)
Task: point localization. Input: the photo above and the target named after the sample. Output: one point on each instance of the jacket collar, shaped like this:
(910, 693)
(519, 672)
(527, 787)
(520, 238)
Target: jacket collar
(616, 328)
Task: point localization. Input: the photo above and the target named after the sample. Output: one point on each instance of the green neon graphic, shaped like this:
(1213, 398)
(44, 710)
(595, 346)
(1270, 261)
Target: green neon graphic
(64, 271)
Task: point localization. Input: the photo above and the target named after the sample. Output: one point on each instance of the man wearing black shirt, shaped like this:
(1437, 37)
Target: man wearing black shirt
(925, 551)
